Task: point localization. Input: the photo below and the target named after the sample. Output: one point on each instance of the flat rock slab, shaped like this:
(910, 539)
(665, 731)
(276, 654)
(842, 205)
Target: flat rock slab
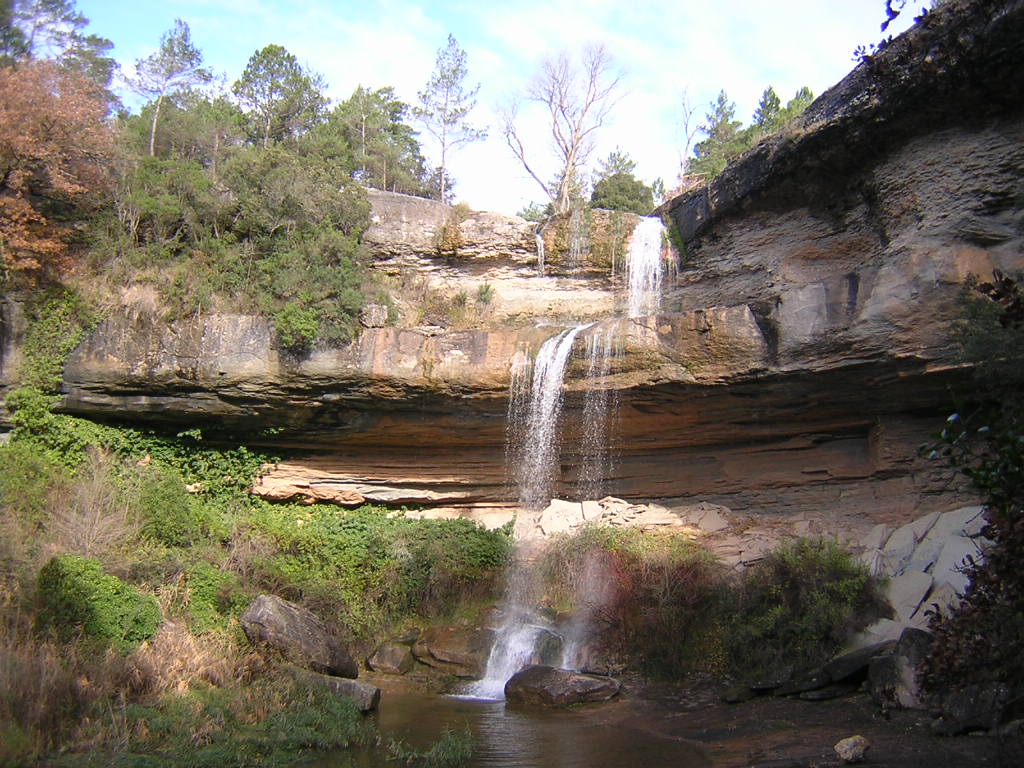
(539, 686)
(297, 634)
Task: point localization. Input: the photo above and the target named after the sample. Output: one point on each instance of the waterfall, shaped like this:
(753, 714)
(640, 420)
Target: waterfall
(540, 253)
(537, 462)
(595, 451)
(644, 268)
(522, 638)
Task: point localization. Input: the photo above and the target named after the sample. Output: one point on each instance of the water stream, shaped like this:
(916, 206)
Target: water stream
(645, 267)
(533, 458)
(537, 458)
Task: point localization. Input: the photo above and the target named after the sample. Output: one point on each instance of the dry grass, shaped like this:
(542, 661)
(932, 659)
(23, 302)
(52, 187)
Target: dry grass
(93, 517)
(175, 660)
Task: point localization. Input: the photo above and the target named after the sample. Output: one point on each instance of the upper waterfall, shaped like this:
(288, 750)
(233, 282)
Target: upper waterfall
(645, 267)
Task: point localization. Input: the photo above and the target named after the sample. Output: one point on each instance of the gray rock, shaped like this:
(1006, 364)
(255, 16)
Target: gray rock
(392, 659)
(949, 567)
(541, 686)
(852, 749)
(364, 695)
(298, 634)
(892, 679)
(876, 537)
(854, 663)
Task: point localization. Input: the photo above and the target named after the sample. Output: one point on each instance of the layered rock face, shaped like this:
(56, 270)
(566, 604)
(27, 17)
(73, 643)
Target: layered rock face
(801, 357)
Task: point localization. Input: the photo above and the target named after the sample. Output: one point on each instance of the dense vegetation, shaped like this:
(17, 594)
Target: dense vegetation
(979, 642)
(672, 609)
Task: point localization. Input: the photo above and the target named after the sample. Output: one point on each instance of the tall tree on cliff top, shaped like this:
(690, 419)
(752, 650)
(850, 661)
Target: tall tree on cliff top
(444, 105)
(723, 138)
(176, 64)
(578, 100)
(283, 98)
(385, 152)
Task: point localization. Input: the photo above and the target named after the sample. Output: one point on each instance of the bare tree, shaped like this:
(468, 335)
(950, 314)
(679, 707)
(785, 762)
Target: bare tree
(578, 100)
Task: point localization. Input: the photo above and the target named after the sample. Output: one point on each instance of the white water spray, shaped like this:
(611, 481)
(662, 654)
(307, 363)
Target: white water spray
(644, 268)
(540, 253)
(539, 466)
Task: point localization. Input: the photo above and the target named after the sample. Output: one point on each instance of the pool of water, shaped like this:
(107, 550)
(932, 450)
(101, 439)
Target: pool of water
(595, 737)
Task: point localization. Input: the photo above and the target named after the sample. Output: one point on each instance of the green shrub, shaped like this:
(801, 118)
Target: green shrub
(660, 595)
(371, 568)
(297, 326)
(77, 596)
(214, 596)
(166, 510)
(798, 605)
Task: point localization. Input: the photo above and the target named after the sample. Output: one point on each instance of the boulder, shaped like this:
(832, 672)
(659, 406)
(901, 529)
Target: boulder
(459, 651)
(299, 635)
(541, 686)
(363, 695)
(974, 708)
(391, 659)
(855, 663)
(560, 517)
(892, 679)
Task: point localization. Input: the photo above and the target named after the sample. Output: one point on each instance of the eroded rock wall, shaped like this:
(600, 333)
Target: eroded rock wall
(801, 358)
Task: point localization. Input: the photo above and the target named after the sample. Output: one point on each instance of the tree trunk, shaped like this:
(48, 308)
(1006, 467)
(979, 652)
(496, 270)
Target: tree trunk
(152, 126)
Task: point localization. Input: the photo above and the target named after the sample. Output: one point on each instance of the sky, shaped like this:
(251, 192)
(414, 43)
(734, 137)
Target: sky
(667, 52)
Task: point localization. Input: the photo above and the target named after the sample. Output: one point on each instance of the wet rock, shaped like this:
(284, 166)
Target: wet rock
(976, 707)
(852, 749)
(298, 634)
(391, 659)
(459, 651)
(892, 679)
(854, 665)
(811, 681)
(828, 692)
(542, 686)
(772, 680)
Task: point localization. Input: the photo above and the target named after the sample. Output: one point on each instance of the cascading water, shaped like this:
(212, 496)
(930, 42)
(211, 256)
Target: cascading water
(532, 457)
(540, 253)
(538, 465)
(645, 267)
(595, 449)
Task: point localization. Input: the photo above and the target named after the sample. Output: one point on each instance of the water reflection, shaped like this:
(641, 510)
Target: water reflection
(588, 738)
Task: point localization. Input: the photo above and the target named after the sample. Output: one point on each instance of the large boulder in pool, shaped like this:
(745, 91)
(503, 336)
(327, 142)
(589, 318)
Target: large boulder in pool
(541, 686)
(298, 635)
(459, 651)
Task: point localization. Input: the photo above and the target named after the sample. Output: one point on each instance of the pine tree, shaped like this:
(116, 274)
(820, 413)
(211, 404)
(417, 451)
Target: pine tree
(444, 105)
(176, 64)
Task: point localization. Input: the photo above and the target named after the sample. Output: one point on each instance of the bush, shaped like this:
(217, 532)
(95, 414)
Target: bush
(77, 597)
(297, 326)
(798, 605)
(368, 568)
(214, 595)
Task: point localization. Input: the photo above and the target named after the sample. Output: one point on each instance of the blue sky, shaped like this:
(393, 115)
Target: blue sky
(663, 48)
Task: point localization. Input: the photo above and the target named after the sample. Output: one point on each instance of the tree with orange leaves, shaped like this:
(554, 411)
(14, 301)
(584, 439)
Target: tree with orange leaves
(55, 147)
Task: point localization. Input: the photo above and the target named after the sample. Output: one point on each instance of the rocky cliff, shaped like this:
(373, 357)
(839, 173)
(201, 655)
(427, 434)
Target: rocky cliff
(801, 357)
